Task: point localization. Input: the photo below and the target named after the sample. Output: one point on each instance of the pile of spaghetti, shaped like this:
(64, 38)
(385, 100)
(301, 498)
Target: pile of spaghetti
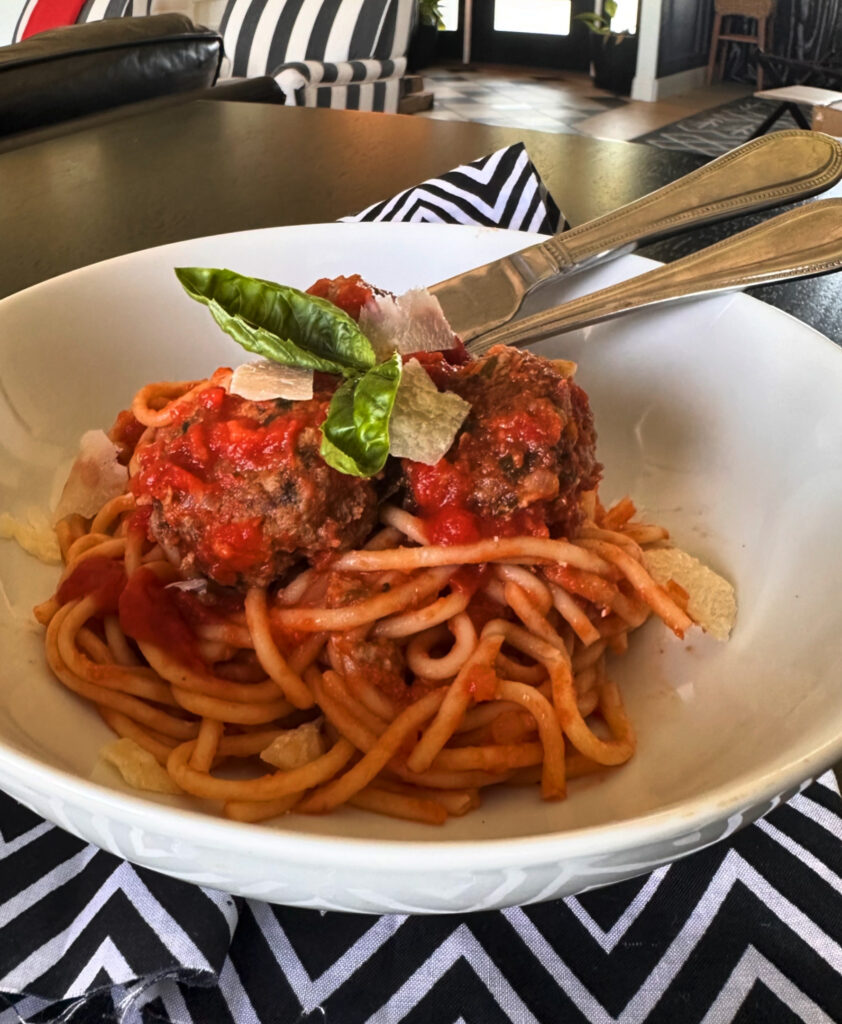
(278, 635)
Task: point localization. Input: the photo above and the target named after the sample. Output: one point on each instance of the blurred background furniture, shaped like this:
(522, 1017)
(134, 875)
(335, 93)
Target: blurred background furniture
(760, 12)
(792, 99)
(333, 53)
(342, 54)
(796, 84)
(69, 72)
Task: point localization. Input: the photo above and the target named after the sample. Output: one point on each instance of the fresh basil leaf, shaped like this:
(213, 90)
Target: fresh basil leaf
(280, 323)
(355, 434)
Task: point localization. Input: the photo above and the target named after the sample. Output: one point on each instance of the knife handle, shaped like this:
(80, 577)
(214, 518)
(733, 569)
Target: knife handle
(800, 243)
(770, 171)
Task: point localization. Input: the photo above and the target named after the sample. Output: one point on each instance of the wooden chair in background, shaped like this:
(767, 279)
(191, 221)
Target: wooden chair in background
(761, 11)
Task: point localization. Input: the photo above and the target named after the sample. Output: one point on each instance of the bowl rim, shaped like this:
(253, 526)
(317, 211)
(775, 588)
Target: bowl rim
(737, 797)
(750, 790)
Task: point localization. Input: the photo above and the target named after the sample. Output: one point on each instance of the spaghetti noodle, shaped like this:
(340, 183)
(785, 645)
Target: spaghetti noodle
(402, 666)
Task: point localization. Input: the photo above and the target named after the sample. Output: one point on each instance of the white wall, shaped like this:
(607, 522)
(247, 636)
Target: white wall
(9, 14)
(201, 12)
(645, 84)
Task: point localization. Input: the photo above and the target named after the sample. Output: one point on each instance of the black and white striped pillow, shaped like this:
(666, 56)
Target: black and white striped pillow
(99, 10)
(259, 36)
(23, 20)
(92, 10)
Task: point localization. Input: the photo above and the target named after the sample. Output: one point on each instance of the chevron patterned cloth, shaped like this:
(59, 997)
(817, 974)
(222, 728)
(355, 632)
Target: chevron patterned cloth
(749, 930)
(500, 190)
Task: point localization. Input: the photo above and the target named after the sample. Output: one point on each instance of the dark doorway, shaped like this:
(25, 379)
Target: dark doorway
(531, 33)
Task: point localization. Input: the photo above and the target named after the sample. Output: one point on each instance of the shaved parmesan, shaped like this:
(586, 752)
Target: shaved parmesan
(413, 322)
(264, 380)
(95, 478)
(138, 767)
(424, 420)
(34, 534)
(293, 748)
(712, 602)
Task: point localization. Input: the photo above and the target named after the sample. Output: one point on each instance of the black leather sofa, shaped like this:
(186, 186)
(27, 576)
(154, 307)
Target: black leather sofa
(83, 69)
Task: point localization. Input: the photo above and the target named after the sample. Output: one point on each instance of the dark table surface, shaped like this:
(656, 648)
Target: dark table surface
(166, 171)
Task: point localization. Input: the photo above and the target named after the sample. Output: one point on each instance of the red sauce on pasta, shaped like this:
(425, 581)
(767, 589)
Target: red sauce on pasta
(102, 577)
(349, 293)
(149, 612)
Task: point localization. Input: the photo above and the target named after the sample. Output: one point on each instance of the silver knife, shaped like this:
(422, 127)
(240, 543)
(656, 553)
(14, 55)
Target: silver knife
(798, 243)
(770, 171)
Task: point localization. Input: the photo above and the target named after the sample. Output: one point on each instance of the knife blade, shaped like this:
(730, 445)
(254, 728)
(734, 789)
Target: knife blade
(775, 169)
(803, 242)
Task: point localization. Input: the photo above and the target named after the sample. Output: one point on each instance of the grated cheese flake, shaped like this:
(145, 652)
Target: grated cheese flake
(412, 322)
(293, 748)
(264, 380)
(712, 602)
(95, 477)
(424, 420)
(138, 766)
(34, 534)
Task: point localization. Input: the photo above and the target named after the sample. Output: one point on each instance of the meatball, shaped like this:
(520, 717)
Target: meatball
(524, 454)
(239, 492)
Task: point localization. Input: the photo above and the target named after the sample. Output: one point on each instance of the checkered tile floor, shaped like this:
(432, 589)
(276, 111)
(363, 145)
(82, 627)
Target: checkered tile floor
(547, 101)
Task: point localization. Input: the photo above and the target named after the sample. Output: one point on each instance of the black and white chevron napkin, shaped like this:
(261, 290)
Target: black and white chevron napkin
(749, 930)
(502, 190)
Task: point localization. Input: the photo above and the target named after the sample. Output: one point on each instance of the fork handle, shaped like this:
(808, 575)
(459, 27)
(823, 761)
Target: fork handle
(800, 243)
(770, 171)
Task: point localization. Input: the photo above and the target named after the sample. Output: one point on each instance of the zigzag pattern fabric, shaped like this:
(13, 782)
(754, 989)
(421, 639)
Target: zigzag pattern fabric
(746, 931)
(501, 189)
(749, 930)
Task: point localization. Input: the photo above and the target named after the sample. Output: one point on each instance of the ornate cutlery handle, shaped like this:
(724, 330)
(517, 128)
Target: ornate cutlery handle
(800, 243)
(769, 171)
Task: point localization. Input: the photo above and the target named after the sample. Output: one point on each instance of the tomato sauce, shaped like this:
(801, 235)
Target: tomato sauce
(149, 612)
(348, 293)
(443, 367)
(97, 576)
(213, 607)
(443, 493)
(126, 431)
(523, 455)
(203, 459)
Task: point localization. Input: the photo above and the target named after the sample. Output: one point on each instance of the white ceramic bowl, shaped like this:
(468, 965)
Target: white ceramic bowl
(723, 420)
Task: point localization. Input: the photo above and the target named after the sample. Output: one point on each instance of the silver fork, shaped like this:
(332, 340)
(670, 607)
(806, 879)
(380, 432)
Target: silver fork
(773, 170)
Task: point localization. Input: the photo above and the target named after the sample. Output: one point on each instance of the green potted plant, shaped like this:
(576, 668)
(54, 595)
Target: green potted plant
(613, 54)
(422, 45)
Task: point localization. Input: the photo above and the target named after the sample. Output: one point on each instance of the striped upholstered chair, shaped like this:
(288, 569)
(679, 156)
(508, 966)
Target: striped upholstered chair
(327, 53)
